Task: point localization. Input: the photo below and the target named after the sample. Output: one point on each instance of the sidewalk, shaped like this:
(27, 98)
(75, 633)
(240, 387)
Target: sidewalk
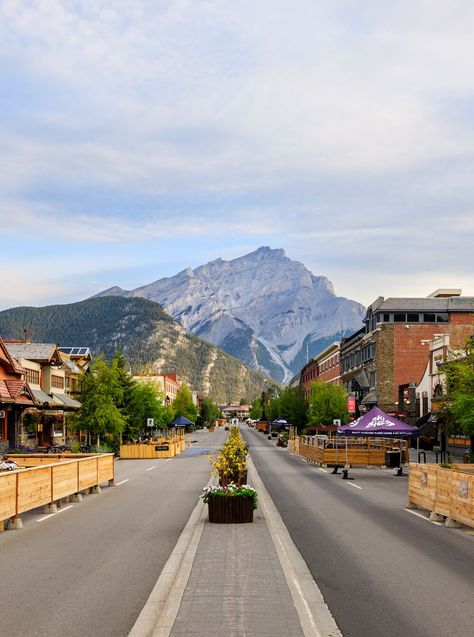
(236, 580)
(237, 587)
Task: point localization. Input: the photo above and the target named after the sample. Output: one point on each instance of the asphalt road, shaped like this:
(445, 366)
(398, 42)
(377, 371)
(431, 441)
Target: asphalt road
(88, 570)
(383, 571)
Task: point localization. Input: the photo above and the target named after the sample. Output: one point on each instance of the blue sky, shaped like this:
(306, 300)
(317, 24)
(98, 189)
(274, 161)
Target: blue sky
(138, 138)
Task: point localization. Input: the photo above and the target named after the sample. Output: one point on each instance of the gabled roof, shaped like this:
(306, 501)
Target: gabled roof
(12, 391)
(9, 361)
(38, 352)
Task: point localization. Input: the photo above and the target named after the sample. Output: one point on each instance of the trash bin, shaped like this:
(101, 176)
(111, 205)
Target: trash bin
(392, 459)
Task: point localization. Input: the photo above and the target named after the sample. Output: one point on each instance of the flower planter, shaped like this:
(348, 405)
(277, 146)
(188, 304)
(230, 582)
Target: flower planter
(235, 478)
(230, 509)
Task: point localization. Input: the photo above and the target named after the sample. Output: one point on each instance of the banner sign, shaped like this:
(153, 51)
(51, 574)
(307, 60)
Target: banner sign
(351, 404)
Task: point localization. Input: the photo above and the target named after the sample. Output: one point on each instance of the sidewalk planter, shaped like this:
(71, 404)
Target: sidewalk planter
(230, 509)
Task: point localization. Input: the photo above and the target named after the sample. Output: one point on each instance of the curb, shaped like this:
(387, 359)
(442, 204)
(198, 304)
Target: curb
(159, 613)
(314, 615)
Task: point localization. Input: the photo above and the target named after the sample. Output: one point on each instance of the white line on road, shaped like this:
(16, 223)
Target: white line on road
(321, 469)
(356, 486)
(168, 459)
(150, 468)
(50, 515)
(423, 517)
(122, 482)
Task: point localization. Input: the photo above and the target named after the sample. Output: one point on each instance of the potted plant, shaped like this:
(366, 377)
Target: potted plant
(232, 501)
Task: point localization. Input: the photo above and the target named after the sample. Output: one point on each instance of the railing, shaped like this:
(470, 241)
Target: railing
(25, 489)
(353, 451)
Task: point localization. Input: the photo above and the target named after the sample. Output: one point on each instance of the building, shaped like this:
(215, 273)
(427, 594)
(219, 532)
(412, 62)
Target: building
(235, 411)
(383, 363)
(323, 368)
(46, 373)
(168, 384)
(17, 402)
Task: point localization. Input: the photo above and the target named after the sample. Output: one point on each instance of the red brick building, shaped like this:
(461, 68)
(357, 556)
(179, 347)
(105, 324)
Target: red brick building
(382, 363)
(324, 368)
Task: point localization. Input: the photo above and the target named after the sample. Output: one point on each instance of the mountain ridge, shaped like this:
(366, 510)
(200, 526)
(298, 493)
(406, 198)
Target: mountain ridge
(263, 308)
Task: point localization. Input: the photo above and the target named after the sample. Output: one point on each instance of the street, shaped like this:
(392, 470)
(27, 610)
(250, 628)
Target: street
(384, 572)
(88, 570)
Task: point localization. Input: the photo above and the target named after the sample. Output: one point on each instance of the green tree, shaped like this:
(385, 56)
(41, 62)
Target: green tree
(326, 403)
(458, 409)
(183, 404)
(256, 410)
(99, 414)
(209, 410)
(293, 406)
(145, 402)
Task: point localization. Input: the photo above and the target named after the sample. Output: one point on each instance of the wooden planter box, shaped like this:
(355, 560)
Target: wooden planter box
(230, 509)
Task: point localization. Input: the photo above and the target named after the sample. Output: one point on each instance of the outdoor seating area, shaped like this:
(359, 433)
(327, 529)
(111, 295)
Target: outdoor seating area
(33, 486)
(165, 446)
(325, 450)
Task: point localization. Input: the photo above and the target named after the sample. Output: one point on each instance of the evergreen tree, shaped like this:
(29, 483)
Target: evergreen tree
(183, 404)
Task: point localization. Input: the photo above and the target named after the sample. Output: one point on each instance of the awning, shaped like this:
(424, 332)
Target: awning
(66, 400)
(369, 399)
(41, 396)
(362, 379)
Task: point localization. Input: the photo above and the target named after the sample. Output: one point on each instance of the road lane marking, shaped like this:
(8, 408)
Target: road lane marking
(356, 486)
(150, 468)
(423, 517)
(321, 469)
(168, 459)
(122, 482)
(50, 515)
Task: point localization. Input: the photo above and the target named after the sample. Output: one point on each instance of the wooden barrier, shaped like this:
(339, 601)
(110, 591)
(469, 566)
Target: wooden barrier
(25, 489)
(39, 459)
(362, 452)
(444, 492)
(176, 443)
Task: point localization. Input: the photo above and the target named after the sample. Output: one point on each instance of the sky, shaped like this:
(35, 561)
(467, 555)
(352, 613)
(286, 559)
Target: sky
(142, 137)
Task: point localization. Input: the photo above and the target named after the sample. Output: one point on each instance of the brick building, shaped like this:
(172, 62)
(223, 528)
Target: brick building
(324, 368)
(383, 363)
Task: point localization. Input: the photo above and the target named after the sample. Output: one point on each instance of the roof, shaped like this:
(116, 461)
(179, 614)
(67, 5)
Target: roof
(41, 396)
(32, 351)
(12, 390)
(452, 304)
(75, 351)
(64, 399)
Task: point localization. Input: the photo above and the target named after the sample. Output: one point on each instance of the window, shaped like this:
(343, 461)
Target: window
(386, 317)
(33, 376)
(429, 318)
(441, 318)
(413, 318)
(399, 317)
(57, 382)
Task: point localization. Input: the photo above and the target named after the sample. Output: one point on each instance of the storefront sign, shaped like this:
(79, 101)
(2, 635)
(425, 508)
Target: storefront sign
(162, 447)
(351, 404)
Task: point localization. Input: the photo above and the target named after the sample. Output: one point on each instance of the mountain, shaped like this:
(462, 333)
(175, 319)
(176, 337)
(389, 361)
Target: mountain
(147, 336)
(263, 308)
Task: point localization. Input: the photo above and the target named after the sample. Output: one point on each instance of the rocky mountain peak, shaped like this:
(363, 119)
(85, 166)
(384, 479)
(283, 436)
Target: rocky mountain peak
(263, 307)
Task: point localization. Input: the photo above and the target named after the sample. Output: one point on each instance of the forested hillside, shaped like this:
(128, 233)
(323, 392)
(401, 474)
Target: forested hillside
(148, 337)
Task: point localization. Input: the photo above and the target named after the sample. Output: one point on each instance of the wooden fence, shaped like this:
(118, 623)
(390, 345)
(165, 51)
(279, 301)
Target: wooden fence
(360, 451)
(165, 447)
(444, 492)
(25, 489)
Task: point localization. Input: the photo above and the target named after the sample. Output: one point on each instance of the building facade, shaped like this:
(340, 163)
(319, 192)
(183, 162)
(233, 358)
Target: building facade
(324, 368)
(383, 363)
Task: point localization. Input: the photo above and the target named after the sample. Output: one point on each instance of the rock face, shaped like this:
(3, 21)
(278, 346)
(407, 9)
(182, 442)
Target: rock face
(263, 308)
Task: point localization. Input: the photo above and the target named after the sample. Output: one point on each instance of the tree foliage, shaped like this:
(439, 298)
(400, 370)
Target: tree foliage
(209, 411)
(256, 410)
(458, 409)
(327, 402)
(99, 414)
(183, 404)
